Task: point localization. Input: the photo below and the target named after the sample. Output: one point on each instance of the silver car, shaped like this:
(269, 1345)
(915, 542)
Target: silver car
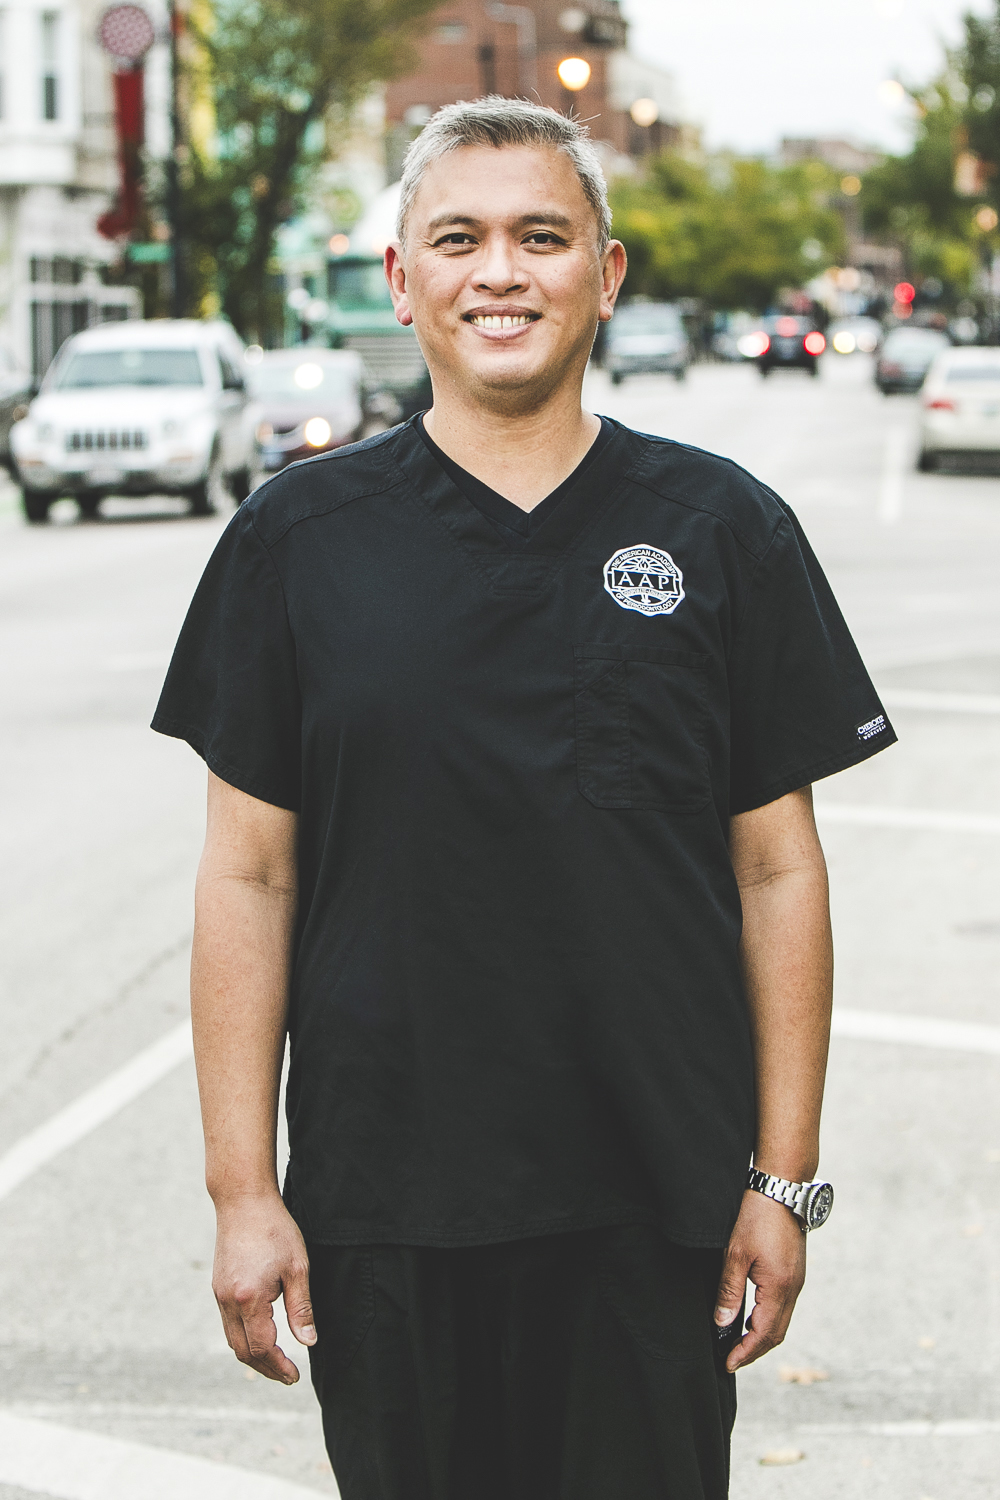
(646, 338)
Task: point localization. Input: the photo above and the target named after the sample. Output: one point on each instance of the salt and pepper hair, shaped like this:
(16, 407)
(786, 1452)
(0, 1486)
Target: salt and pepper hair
(496, 121)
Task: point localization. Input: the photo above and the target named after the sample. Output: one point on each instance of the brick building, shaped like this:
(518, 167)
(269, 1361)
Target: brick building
(476, 47)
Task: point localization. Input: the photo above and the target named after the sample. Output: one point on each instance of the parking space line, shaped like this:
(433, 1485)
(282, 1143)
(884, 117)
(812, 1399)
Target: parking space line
(94, 1107)
(70, 1464)
(890, 495)
(919, 1031)
(864, 815)
(941, 703)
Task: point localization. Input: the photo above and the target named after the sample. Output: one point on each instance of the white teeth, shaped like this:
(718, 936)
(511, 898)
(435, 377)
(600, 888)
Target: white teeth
(488, 320)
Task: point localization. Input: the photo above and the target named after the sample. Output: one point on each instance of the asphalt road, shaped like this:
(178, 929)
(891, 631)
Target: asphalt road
(114, 1377)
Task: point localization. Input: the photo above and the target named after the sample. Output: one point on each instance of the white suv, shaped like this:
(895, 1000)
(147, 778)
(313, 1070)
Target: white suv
(138, 409)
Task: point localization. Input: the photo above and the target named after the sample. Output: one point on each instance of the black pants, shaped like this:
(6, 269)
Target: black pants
(573, 1367)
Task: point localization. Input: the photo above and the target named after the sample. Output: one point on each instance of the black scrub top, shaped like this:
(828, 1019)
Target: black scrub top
(516, 1005)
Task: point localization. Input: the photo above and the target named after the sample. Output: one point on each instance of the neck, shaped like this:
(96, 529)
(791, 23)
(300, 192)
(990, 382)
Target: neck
(522, 454)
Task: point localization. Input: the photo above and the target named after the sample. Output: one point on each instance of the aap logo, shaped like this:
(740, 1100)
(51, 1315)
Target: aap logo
(646, 579)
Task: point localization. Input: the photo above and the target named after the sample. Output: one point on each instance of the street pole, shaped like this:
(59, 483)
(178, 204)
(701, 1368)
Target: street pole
(178, 280)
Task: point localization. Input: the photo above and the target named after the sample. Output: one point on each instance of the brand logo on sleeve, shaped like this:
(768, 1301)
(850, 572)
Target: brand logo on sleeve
(872, 728)
(644, 578)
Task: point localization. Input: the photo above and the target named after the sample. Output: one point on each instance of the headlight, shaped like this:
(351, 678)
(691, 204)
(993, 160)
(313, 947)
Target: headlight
(844, 342)
(317, 432)
(753, 345)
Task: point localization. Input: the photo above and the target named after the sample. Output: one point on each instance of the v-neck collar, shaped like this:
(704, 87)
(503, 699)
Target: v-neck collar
(526, 569)
(516, 526)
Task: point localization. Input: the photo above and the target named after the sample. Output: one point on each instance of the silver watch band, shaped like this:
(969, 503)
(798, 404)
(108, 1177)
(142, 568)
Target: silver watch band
(810, 1202)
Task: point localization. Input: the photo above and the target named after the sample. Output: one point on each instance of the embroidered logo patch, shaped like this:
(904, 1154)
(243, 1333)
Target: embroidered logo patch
(644, 578)
(872, 728)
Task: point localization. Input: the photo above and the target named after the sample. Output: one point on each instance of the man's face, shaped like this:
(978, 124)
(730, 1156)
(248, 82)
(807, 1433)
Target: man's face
(501, 274)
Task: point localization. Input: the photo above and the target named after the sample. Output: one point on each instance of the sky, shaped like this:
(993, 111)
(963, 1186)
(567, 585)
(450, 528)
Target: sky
(751, 71)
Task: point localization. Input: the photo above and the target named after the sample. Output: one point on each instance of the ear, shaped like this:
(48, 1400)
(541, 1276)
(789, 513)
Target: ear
(395, 275)
(614, 264)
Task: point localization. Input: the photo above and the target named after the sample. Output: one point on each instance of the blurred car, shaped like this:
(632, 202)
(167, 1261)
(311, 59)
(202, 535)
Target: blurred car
(784, 341)
(15, 393)
(960, 406)
(905, 356)
(728, 329)
(646, 338)
(138, 409)
(306, 401)
(856, 334)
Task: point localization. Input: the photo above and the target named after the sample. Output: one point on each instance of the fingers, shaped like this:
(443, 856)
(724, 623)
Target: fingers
(732, 1287)
(766, 1329)
(252, 1336)
(298, 1305)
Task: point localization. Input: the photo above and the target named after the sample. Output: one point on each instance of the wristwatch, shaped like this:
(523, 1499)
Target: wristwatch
(810, 1202)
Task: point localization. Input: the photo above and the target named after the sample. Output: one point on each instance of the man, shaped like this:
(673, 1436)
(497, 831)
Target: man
(511, 716)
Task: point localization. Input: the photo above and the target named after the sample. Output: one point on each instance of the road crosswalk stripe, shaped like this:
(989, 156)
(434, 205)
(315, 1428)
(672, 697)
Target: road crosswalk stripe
(919, 1031)
(93, 1108)
(931, 820)
(69, 1464)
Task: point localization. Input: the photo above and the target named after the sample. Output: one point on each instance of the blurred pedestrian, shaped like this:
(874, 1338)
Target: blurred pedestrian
(511, 715)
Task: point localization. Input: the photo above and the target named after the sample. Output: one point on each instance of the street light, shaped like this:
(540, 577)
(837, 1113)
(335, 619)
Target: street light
(574, 73)
(645, 112)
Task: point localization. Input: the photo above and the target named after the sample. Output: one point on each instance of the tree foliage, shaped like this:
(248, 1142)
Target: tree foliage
(283, 76)
(730, 230)
(914, 200)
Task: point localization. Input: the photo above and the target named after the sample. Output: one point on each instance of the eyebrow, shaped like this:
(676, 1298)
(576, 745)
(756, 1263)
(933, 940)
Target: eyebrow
(538, 216)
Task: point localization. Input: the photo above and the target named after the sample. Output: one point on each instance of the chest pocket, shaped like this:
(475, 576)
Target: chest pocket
(640, 728)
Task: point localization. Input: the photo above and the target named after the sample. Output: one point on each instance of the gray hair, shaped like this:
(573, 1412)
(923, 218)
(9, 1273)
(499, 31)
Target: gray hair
(496, 121)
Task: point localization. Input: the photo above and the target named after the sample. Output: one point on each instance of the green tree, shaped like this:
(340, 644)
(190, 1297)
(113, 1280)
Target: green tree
(282, 77)
(730, 230)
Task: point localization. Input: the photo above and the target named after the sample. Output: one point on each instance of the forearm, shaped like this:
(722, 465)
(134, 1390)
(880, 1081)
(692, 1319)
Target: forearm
(239, 1001)
(787, 958)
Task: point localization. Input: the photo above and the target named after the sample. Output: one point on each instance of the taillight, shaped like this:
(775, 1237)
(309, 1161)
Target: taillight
(815, 342)
(753, 345)
(940, 403)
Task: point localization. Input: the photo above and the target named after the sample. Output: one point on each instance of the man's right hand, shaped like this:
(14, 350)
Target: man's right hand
(260, 1255)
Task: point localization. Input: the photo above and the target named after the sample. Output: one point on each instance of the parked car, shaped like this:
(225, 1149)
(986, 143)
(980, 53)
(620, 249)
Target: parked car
(306, 401)
(138, 409)
(15, 393)
(784, 341)
(960, 406)
(854, 334)
(905, 356)
(646, 338)
(727, 330)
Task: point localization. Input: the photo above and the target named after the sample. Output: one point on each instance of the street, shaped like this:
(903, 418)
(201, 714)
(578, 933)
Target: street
(886, 1388)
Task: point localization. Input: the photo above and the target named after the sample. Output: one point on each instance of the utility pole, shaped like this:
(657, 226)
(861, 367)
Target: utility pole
(178, 276)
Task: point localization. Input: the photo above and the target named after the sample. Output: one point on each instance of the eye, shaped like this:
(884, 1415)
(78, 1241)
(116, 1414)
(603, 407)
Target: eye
(457, 237)
(543, 237)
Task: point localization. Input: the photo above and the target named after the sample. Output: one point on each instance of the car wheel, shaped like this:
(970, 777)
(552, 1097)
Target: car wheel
(927, 462)
(206, 496)
(88, 501)
(765, 371)
(814, 369)
(36, 505)
(680, 374)
(617, 377)
(240, 485)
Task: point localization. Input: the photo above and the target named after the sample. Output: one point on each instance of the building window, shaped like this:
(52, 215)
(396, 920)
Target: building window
(50, 58)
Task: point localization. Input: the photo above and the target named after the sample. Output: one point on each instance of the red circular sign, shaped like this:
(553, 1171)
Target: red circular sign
(126, 31)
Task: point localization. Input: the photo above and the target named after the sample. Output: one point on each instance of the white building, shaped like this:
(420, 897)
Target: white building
(59, 172)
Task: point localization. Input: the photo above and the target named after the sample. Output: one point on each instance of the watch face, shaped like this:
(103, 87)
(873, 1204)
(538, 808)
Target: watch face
(819, 1205)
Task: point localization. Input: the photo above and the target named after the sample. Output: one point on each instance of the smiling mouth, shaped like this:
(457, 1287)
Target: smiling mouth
(495, 323)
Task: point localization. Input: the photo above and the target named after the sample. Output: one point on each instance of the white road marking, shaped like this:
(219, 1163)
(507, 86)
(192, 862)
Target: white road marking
(70, 1464)
(890, 495)
(137, 661)
(864, 815)
(50, 1410)
(919, 1031)
(942, 703)
(93, 1108)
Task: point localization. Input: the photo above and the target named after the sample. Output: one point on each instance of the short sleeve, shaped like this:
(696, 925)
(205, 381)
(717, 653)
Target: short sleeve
(802, 704)
(232, 687)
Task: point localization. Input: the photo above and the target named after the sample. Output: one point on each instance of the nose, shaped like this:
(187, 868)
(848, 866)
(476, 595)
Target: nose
(497, 271)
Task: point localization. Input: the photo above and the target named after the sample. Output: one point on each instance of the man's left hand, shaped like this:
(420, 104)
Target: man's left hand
(768, 1248)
